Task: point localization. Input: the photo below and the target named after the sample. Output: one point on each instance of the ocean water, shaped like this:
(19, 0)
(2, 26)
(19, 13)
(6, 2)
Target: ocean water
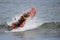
(47, 12)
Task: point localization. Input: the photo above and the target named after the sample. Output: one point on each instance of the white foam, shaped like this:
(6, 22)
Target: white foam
(30, 24)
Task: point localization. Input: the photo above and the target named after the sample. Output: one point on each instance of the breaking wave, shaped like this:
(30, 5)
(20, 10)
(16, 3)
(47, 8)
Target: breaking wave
(29, 25)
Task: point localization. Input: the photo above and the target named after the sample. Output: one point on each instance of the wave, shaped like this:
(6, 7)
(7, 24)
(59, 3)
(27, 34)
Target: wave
(50, 27)
(29, 25)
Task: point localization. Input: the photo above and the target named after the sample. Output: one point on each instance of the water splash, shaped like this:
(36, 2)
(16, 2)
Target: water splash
(30, 23)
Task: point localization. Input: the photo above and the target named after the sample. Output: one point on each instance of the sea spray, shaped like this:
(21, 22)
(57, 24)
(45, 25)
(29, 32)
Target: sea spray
(29, 25)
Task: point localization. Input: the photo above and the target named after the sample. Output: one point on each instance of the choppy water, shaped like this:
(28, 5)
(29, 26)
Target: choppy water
(47, 11)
